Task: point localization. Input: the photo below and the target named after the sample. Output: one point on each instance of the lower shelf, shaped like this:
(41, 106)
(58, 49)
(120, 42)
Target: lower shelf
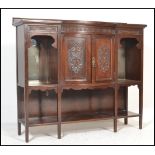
(76, 117)
(37, 121)
(79, 117)
(130, 114)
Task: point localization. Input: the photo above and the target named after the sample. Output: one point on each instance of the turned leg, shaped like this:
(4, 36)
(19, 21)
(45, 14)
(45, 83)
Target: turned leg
(116, 108)
(59, 93)
(140, 105)
(18, 110)
(26, 111)
(126, 105)
(19, 128)
(59, 130)
(26, 133)
(115, 125)
(125, 121)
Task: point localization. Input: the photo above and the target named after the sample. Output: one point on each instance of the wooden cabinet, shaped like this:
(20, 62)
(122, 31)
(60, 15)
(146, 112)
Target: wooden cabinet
(70, 71)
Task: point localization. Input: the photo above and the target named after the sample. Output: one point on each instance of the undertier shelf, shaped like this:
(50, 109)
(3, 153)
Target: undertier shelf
(76, 117)
(42, 86)
(128, 82)
(38, 121)
(123, 114)
(40, 83)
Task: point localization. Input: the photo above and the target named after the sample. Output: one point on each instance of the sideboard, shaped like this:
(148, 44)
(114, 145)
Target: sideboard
(75, 71)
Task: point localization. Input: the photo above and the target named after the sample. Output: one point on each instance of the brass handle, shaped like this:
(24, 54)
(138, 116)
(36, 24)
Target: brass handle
(93, 62)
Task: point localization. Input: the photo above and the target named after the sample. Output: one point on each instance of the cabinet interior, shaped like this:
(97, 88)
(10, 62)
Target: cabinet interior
(42, 60)
(129, 60)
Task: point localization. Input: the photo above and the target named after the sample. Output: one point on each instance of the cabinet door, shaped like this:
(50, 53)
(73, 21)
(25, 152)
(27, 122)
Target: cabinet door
(102, 59)
(76, 58)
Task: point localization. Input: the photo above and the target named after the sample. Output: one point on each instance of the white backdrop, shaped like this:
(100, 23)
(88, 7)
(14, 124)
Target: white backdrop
(8, 49)
(79, 4)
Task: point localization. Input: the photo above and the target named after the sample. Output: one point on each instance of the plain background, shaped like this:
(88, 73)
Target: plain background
(8, 63)
(77, 4)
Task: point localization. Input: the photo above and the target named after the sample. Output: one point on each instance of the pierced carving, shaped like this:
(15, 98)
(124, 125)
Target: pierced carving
(76, 55)
(104, 58)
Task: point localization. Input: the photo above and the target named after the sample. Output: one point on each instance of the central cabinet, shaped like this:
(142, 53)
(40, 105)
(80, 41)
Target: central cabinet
(87, 59)
(74, 71)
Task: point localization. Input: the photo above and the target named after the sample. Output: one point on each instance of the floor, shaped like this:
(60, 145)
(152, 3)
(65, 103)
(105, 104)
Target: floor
(87, 133)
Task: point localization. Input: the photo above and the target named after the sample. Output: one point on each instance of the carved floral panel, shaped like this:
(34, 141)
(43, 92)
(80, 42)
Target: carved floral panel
(76, 55)
(104, 58)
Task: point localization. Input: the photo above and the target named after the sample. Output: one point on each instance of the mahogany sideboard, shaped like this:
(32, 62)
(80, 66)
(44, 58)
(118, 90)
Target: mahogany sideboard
(74, 71)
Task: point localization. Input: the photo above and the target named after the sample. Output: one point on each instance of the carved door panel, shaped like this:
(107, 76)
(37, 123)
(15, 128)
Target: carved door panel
(102, 59)
(76, 58)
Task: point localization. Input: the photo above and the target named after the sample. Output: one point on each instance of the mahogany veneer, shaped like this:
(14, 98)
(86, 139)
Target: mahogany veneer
(74, 71)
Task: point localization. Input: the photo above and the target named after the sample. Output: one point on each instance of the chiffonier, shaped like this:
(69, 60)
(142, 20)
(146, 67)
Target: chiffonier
(76, 71)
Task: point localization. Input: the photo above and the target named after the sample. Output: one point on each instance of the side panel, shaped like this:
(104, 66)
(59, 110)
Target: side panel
(20, 56)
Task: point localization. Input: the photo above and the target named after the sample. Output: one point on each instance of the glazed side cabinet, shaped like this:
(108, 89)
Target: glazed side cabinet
(76, 71)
